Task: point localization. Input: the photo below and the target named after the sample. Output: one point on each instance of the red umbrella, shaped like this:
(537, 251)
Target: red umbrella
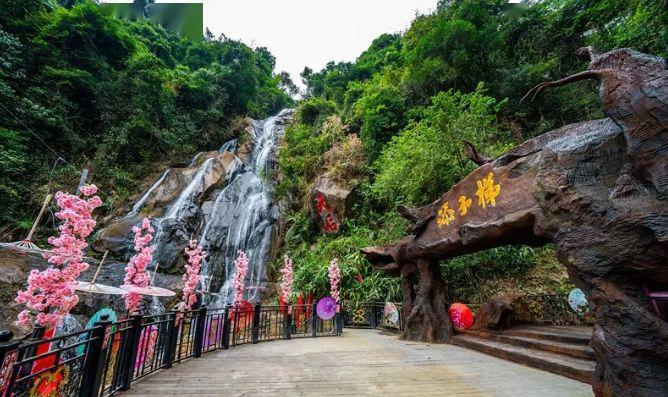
(461, 316)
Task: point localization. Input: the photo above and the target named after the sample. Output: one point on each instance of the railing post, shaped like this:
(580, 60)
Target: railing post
(128, 363)
(199, 331)
(96, 358)
(287, 320)
(9, 354)
(226, 329)
(372, 318)
(255, 334)
(314, 320)
(338, 318)
(170, 339)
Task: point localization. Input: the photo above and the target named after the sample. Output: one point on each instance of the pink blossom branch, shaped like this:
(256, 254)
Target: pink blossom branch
(50, 293)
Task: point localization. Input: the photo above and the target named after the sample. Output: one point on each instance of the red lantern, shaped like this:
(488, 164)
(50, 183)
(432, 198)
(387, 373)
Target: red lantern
(461, 316)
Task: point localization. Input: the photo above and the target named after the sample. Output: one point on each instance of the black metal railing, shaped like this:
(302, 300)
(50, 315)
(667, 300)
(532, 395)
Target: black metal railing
(376, 315)
(541, 309)
(107, 358)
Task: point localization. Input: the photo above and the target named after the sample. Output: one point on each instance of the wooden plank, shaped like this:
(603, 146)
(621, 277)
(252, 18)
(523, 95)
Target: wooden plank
(360, 362)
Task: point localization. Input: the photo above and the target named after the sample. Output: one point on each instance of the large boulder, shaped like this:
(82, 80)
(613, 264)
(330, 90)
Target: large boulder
(503, 312)
(330, 204)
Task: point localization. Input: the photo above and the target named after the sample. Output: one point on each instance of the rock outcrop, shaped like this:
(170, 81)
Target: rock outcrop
(599, 191)
(176, 203)
(330, 204)
(502, 312)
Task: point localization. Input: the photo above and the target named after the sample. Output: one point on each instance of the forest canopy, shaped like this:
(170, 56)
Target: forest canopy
(412, 98)
(80, 89)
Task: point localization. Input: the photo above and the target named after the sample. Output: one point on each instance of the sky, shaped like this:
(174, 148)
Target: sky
(309, 33)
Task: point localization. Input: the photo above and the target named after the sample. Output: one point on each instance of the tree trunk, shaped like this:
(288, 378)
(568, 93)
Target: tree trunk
(428, 320)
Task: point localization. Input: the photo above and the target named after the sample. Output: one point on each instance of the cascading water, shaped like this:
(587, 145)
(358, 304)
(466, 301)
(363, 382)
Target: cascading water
(220, 199)
(243, 215)
(145, 196)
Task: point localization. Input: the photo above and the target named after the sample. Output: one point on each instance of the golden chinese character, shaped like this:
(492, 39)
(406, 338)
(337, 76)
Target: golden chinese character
(487, 191)
(464, 204)
(445, 215)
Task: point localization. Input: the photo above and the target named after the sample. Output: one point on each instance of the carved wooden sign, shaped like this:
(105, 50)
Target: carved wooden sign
(598, 190)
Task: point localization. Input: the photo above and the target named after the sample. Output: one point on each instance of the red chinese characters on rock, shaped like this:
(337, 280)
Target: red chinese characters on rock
(330, 223)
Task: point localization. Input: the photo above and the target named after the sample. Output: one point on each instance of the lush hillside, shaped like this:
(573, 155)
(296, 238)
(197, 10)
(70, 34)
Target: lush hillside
(113, 96)
(411, 98)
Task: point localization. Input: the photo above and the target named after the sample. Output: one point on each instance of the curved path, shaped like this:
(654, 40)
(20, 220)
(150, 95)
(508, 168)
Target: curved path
(359, 362)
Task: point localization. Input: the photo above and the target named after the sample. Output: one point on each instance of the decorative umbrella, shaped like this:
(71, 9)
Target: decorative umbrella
(27, 243)
(150, 290)
(391, 314)
(105, 311)
(578, 302)
(95, 288)
(461, 316)
(326, 308)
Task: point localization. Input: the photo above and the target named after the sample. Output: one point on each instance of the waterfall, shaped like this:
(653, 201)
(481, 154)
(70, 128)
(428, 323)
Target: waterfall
(145, 196)
(155, 307)
(229, 146)
(187, 195)
(221, 200)
(243, 215)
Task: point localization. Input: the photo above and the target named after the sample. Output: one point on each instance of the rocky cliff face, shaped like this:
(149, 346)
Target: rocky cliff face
(218, 198)
(177, 203)
(223, 200)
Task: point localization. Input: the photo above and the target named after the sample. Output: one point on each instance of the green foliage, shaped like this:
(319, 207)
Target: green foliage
(301, 157)
(413, 97)
(314, 110)
(427, 158)
(312, 260)
(117, 96)
(380, 112)
(465, 273)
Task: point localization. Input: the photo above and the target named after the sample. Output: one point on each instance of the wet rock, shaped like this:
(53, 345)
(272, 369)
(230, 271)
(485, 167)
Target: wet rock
(172, 203)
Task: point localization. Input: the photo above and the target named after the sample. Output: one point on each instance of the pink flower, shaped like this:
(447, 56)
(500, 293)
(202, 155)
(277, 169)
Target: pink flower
(286, 285)
(191, 277)
(49, 295)
(239, 278)
(135, 271)
(334, 278)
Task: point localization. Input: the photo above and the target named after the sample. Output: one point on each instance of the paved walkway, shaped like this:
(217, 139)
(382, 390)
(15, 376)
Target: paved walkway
(358, 363)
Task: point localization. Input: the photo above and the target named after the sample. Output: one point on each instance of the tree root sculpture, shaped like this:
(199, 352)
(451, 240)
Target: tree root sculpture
(599, 191)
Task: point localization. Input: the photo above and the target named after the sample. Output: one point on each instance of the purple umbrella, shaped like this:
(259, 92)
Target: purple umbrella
(326, 308)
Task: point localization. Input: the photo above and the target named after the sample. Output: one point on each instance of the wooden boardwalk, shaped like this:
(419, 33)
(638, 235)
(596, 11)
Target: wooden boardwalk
(358, 363)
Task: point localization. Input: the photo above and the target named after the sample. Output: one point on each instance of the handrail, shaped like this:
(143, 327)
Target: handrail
(106, 358)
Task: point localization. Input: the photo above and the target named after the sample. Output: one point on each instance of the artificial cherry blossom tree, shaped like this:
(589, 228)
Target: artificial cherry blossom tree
(286, 285)
(334, 278)
(135, 271)
(239, 278)
(50, 295)
(192, 277)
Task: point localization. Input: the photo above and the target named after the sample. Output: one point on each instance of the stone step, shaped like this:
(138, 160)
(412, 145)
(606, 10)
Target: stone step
(569, 349)
(565, 334)
(571, 367)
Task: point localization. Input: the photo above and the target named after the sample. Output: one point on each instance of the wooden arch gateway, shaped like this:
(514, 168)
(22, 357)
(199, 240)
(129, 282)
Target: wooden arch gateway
(598, 190)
